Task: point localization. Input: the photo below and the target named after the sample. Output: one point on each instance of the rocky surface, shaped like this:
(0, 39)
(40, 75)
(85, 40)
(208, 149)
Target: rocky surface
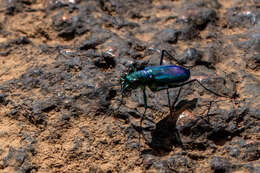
(60, 101)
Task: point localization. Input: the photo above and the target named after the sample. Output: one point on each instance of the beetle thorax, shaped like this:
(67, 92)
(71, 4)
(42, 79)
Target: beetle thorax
(133, 80)
(139, 78)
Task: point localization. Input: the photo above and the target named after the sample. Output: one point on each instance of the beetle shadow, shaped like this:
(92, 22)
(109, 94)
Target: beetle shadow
(165, 135)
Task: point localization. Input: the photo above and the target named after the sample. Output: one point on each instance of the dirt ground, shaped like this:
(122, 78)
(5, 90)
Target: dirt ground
(61, 109)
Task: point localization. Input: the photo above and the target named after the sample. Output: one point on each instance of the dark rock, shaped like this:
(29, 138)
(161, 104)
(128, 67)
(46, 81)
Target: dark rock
(3, 99)
(104, 94)
(121, 46)
(188, 32)
(22, 40)
(105, 61)
(252, 151)
(29, 139)
(185, 121)
(95, 39)
(121, 23)
(124, 8)
(255, 112)
(16, 6)
(44, 105)
(68, 26)
(198, 145)
(199, 17)
(135, 43)
(209, 58)
(219, 135)
(6, 53)
(93, 169)
(54, 4)
(53, 136)
(233, 151)
(220, 164)
(161, 166)
(35, 118)
(19, 159)
(167, 35)
(209, 3)
(198, 129)
(179, 162)
(85, 131)
(253, 62)
(252, 42)
(256, 42)
(191, 56)
(148, 160)
(31, 79)
(250, 167)
(65, 117)
(124, 113)
(131, 137)
(250, 89)
(65, 25)
(110, 132)
(238, 18)
(223, 86)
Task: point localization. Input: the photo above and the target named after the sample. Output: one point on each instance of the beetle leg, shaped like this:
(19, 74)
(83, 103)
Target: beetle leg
(174, 103)
(142, 118)
(195, 80)
(163, 52)
(155, 88)
(167, 88)
(132, 67)
(162, 55)
(177, 97)
(169, 103)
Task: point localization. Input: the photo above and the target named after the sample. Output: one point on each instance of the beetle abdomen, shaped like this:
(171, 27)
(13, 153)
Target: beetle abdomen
(169, 74)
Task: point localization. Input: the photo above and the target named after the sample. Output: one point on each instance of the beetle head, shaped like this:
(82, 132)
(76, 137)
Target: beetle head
(125, 86)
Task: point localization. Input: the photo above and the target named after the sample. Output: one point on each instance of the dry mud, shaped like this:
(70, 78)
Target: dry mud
(60, 101)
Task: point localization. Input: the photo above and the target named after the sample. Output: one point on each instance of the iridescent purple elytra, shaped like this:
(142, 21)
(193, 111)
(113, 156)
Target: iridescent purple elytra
(156, 77)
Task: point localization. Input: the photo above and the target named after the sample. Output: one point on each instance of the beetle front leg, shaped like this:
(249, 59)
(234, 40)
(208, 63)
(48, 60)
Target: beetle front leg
(132, 67)
(142, 118)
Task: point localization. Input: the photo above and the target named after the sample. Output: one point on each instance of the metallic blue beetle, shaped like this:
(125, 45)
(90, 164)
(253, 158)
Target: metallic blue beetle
(156, 78)
(159, 78)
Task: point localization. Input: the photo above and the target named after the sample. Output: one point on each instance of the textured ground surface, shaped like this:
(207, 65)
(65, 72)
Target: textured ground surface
(60, 65)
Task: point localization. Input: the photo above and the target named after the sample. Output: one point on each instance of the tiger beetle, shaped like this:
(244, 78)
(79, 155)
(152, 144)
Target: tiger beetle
(159, 78)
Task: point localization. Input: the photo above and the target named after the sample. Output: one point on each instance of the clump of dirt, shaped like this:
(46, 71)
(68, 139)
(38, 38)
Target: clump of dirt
(61, 108)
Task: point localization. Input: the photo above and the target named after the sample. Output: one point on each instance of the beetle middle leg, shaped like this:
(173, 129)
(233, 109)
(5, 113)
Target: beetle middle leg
(163, 52)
